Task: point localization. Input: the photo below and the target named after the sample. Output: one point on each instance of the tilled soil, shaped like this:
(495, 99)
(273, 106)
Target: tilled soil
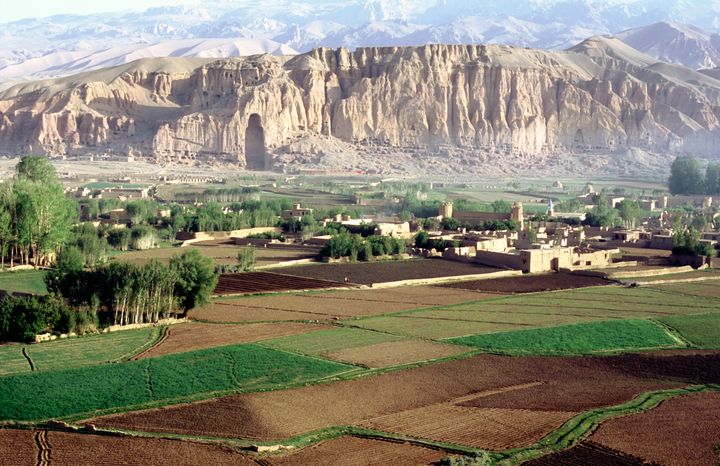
(17, 448)
(262, 282)
(390, 271)
(530, 283)
(681, 431)
(75, 449)
(195, 336)
(588, 454)
(352, 451)
(282, 414)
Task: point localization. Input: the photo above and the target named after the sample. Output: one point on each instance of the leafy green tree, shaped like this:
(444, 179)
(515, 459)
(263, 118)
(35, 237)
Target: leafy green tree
(500, 206)
(421, 239)
(195, 278)
(629, 211)
(686, 177)
(712, 179)
(602, 215)
(246, 258)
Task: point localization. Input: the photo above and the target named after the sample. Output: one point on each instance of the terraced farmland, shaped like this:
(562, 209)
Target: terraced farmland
(76, 352)
(264, 282)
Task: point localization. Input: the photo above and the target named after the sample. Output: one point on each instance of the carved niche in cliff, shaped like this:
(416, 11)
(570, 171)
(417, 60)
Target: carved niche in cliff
(255, 153)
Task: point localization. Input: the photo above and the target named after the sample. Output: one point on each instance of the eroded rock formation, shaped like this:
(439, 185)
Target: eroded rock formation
(599, 96)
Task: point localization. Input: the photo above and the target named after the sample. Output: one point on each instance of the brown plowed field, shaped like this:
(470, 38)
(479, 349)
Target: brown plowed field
(195, 336)
(352, 451)
(75, 449)
(394, 353)
(282, 414)
(530, 283)
(681, 431)
(587, 454)
(486, 428)
(227, 311)
(263, 282)
(17, 448)
(368, 273)
(345, 303)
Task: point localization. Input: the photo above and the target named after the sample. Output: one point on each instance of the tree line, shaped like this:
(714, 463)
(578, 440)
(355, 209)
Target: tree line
(35, 215)
(686, 177)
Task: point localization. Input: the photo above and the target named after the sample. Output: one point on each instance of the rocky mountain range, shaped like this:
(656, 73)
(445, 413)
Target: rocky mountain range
(600, 105)
(60, 45)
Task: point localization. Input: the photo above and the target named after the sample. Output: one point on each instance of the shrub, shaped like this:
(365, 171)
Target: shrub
(246, 259)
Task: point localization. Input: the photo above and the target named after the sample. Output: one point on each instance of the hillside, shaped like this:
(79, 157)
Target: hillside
(599, 106)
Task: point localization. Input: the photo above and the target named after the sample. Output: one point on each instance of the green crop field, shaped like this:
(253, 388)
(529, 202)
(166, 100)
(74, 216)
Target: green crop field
(25, 281)
(706, 288)
(328, 341)
(161, 380)
(407, 325)
(702, 330)
(583, 338)
(76, 352)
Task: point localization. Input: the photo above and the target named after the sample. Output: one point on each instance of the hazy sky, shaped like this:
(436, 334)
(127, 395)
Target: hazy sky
(18, 9)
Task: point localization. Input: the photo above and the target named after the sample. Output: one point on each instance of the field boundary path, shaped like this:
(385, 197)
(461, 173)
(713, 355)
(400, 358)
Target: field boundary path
(164, 334)
(27, 356)
(43, 446)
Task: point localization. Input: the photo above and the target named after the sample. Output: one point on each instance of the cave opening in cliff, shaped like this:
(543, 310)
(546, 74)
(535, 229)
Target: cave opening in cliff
(255, 154)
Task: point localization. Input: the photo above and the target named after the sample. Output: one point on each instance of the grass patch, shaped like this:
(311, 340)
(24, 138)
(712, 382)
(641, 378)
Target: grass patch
(156, 381)
(585, 338)
(328, 341)
(24, 281)
(76, 352)
(702, 330)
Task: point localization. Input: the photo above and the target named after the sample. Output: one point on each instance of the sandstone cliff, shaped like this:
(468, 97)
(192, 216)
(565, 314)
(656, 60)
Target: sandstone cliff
(471, 104)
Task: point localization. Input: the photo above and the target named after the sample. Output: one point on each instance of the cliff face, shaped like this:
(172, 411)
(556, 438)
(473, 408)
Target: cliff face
(481, 101)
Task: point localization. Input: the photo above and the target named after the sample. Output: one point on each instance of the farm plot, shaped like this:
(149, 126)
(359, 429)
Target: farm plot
(407, 325)
(394, 353)
(156, 380)
(23, 281)
(238, 312)
(681, 431)
(282, 414)
(701, 330)
(390, 271)
(705, 289)
(490, 429)
(263, 282)
(17, 448)
(363, 347)
(530, 283)
(73, 449)
(221, 254)
(587, 454)
(583, 338)
(195, 336)
(76, 352)
(352, 451)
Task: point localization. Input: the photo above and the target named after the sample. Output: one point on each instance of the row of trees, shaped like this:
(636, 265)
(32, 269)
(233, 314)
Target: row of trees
(35, 215)
(356, 247)
(687, 178)
(129, 294)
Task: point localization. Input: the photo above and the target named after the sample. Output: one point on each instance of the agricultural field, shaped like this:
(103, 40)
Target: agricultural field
(282, 414)
(387, 271)
(588, 454)
(526, 311)
(585, 338)
(323, 305)
(69, 449)
(363, 347)
(360, 451)
(195, 336)
(264, 282)
(221, 254)
(70, 353)
(703, 289)
(23, 281)
(700, 330)
(157, 380)
(530, 283)
(681, 431)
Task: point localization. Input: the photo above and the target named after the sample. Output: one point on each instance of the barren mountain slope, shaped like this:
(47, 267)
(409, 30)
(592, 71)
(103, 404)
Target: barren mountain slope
(465, 105)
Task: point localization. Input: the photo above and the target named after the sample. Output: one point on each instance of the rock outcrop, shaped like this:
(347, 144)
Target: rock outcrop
(476, 101)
